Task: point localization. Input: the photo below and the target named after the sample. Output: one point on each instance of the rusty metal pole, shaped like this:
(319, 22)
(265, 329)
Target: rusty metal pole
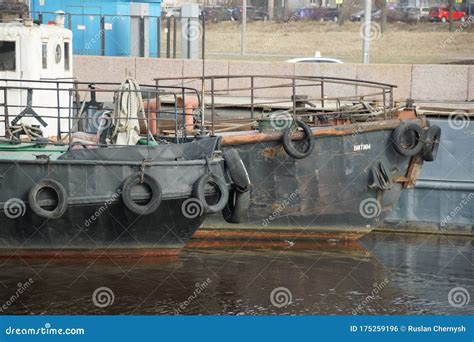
(383, 20)
(243, 28)
(366, 27)
(102, 35)
(174, 37)
(158, 32)
(168, 37)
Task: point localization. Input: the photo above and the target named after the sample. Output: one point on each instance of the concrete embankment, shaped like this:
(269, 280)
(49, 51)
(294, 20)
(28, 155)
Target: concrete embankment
(420, 82)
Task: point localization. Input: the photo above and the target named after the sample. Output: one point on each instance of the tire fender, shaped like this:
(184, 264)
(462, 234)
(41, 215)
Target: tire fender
(236, 209)
(288, 144)
(430, 149)
(238, 171)
(199, 192)
(61, 194)
(401, 132)
(156, 196)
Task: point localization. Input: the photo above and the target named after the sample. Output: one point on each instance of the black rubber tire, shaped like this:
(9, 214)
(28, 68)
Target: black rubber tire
(199, 193)
(399, 133)
(237, 206)
(430, 149)
(61, 206)
(156, 197)
(288, 144)
(238, 171)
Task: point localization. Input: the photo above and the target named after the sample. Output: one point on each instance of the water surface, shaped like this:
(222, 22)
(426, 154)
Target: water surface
(384, 273)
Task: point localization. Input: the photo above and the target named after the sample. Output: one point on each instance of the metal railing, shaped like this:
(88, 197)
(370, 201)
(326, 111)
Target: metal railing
(302, 96)
(69, 104)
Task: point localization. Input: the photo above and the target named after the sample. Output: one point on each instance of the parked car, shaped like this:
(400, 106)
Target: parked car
(171, 12)
(416, 14)
(317, 13)
(441, 13)
(253, 14)
(314, 60)
(358, 16)
(214, 14)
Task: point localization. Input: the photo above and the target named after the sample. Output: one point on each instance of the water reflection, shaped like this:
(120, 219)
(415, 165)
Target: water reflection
(383, 274)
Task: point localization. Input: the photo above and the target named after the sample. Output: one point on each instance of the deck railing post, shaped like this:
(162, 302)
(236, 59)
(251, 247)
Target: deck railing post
(293, 86)
(391, 97)
(7, 120)
(384, 105)
(184, 111)
(59, 110)
(252, 97)
(69, 120)
(322, 92)
(212, 106)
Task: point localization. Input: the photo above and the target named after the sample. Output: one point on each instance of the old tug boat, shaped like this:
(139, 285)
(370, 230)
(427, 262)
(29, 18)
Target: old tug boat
(82, 170)
(327, 157)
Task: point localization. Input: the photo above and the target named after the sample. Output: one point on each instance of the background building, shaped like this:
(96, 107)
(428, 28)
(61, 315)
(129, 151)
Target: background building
(106, 27)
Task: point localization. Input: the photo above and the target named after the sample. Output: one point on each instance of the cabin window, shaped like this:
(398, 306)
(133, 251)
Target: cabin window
(7, 56)
(66, 56)
(44, 54)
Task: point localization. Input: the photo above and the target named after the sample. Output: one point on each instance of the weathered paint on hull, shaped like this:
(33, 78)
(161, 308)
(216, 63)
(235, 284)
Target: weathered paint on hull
(321, 194)
(96, 217)
(442, 200)
(115, 232)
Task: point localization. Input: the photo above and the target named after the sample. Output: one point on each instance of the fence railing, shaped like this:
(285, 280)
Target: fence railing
(295, 96)
(129, 35)
(75, 112)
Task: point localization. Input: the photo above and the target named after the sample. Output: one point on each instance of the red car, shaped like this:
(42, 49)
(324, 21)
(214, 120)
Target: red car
(442, 14)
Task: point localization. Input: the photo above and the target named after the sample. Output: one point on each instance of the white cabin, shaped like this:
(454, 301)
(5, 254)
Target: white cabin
(36, 52)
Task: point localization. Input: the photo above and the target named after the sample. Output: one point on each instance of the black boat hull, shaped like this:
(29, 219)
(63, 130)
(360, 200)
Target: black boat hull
(96, 218)
(325, 195)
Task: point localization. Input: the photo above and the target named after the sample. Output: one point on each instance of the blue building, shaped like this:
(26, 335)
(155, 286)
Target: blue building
(107, 27)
